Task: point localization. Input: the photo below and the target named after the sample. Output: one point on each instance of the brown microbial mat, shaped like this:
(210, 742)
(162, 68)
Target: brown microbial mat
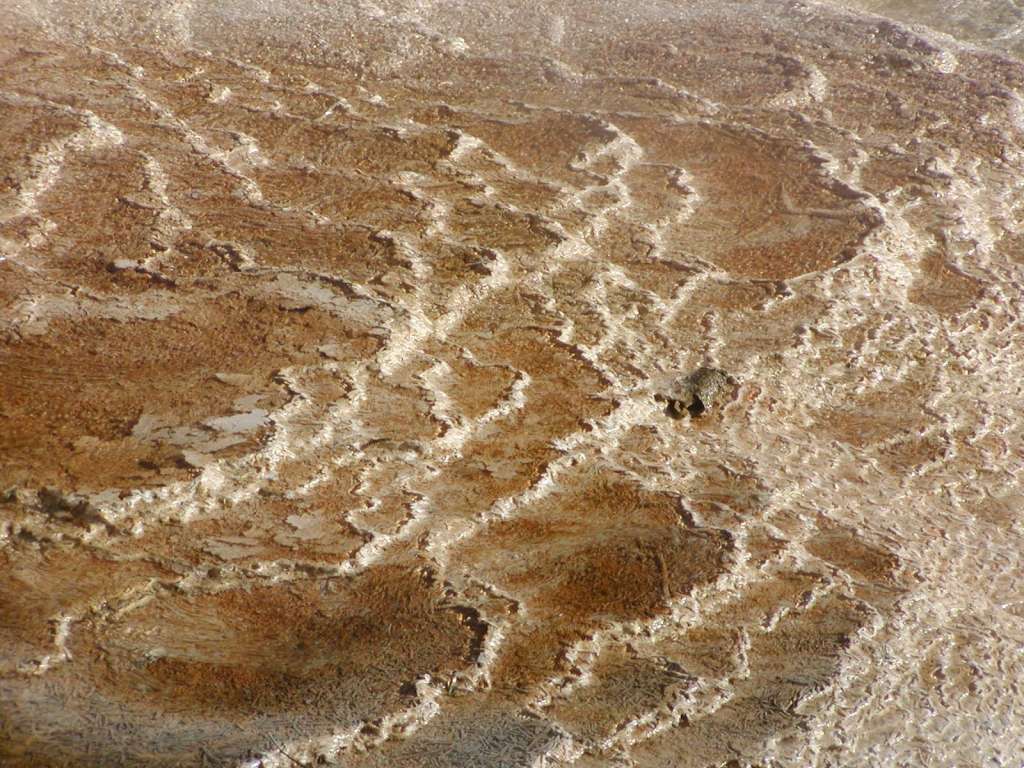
(481, 385)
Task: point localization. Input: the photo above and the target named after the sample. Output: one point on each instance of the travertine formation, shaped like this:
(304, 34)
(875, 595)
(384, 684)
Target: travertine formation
(329, 340)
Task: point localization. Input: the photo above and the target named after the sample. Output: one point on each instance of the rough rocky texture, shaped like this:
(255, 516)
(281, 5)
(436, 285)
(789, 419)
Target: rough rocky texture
(328, 339)
(701, 391)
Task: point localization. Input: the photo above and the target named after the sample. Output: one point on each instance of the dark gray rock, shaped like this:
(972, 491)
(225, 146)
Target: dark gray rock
(701, 391)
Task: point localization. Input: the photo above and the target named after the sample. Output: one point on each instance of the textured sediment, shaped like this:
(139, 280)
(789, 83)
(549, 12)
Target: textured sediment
(334, 349)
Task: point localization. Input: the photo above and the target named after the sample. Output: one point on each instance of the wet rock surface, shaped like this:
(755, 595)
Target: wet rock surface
(328, 340)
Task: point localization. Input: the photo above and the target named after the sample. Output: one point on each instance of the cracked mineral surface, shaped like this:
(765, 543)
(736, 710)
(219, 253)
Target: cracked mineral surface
(329, 335)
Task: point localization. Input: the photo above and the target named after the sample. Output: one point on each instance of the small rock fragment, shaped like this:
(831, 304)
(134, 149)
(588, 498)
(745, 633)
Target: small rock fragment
(332, 351)
(234, 379)
(699, 392)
